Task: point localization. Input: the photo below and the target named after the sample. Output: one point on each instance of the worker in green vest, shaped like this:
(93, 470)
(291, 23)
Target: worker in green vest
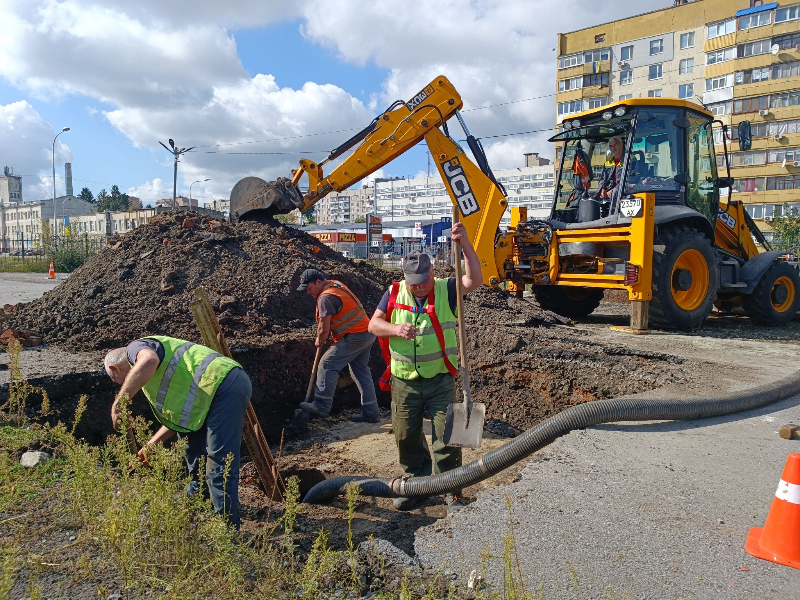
(418, 316)
(195, 392)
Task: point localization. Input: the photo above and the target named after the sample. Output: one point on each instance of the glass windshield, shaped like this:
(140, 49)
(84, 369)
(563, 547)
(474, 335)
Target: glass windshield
(703, 194)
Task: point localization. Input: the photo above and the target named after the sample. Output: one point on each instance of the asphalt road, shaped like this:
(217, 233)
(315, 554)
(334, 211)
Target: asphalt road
(24, 287)
(640, 510)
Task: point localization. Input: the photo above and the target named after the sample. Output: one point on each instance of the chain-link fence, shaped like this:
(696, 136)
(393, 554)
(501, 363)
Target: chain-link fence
(33, 253)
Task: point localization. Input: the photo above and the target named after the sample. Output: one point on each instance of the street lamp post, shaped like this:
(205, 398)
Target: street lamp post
(176, 152)
(55, 215)
(190, 190)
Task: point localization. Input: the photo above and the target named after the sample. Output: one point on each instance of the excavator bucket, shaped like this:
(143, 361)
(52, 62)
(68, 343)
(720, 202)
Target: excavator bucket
(252, 197)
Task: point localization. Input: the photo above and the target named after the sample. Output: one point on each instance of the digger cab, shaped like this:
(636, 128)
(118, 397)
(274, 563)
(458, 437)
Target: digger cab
(667, 149)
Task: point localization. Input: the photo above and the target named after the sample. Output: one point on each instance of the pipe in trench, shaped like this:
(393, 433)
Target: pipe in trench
(544, 433)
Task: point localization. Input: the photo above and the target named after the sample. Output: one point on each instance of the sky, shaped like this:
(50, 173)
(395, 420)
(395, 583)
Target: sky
(255, 85)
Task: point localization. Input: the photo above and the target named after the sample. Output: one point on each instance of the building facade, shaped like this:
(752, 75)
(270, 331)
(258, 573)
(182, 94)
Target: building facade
(21, 222)
(343, 207)
(741, 58)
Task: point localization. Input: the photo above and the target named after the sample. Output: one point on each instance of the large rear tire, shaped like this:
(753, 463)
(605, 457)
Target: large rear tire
(776, 298)
(685, 278)
(572, 302)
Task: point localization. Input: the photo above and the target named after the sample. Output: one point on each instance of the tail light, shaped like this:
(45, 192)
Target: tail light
(631, 273)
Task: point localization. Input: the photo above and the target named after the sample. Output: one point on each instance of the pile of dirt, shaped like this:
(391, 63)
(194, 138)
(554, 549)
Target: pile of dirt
(144, 285)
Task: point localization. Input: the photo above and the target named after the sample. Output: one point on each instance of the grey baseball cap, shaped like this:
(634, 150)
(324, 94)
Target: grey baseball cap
(416, 267)
(310, 276)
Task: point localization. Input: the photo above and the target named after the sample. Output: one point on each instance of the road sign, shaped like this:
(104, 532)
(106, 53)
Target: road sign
(441, 239)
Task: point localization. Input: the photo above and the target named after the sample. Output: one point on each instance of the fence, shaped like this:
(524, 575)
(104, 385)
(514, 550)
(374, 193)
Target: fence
(33, 253)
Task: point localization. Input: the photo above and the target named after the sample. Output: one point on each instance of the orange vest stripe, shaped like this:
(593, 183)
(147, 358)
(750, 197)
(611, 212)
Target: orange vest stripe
(352, 318)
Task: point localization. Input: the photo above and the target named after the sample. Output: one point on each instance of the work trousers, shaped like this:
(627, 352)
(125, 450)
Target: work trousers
(219, 436)
(411, 398)
(353, 350)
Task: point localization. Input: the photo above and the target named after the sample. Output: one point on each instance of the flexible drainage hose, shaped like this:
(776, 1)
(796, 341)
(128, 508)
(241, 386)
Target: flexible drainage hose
(539, 436)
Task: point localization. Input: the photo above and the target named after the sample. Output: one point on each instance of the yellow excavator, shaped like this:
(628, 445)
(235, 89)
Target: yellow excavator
(660, 232)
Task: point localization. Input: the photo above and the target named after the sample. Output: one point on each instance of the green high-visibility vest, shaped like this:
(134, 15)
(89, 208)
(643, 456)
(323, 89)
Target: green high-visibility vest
(183, 386)
(423, 356)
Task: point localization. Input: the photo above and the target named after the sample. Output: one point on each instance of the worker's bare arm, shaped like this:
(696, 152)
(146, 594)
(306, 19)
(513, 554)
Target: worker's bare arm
(472, 278)
(146, 365)
(323, 330)
(380, 327)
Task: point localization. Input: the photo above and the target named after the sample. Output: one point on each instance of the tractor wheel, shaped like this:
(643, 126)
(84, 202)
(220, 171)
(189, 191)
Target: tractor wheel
(685, 278)
(776, 299)
(572, 302)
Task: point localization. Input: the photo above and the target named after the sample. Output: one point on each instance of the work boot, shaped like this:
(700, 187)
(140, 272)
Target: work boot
(300, 421)
(366, 417)
(454, 502)
(405, 504)
(314, 409)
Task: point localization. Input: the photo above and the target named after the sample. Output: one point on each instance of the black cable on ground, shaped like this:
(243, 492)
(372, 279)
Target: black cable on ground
(539, 436)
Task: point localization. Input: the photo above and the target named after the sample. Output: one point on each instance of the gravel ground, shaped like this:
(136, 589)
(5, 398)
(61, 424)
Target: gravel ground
(24, 287)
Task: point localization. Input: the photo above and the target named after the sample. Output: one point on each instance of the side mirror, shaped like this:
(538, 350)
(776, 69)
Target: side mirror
(724, 182)
(745, 136)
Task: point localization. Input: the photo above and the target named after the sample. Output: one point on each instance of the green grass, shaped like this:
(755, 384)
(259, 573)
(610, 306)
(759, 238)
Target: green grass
(31, 264)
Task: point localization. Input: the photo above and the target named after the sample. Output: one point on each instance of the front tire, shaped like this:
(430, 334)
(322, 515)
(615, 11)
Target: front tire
(685, 278)
(571, 302)
(776, 298)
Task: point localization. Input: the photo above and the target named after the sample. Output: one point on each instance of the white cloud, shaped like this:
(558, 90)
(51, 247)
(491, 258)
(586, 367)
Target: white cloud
(27, 137)
(150, 191)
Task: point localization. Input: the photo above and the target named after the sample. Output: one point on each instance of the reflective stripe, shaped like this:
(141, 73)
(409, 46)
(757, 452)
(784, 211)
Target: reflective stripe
(343, 322)
(168, 373)
(420, 358)
(192, 395)
(788, 491)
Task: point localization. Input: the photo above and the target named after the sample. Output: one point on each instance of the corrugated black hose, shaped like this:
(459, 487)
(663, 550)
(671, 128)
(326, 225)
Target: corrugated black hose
(539, 436)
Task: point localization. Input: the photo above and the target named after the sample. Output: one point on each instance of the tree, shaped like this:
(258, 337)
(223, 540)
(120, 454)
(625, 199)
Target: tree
(115, 201)
(310, 216)
(86, 195)
(360, 220)
(786, 232)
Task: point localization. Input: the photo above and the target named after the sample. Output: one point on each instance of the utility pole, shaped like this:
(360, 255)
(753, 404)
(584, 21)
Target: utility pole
(55, 214)
(176, 152)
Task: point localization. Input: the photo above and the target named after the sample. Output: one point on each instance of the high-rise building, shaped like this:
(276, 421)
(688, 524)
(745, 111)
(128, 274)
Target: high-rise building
(740, 58)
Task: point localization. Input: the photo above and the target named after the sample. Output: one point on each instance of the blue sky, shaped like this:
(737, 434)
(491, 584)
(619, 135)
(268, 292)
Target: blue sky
(124, 76)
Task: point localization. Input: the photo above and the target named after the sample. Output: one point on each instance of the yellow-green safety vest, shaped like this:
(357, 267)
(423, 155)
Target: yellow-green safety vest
(183, 386)
(423, 356)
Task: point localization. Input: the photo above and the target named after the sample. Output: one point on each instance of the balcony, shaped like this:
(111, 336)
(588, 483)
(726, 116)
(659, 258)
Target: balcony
(603, 66)
(719, 95)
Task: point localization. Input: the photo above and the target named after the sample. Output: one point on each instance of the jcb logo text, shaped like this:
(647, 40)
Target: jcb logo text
(460, 187)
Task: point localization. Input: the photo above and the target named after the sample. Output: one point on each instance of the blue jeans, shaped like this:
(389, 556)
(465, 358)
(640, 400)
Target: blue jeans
(353, 349)
(220, 435)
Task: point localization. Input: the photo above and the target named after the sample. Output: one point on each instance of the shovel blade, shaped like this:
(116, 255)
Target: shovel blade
(464, 428)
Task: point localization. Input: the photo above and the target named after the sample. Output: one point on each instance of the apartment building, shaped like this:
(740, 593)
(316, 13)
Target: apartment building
(344, 207)
(741, 58)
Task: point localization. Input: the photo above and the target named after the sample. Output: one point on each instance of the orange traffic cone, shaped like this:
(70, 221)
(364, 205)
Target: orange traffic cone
(779, 540)
(52, 270)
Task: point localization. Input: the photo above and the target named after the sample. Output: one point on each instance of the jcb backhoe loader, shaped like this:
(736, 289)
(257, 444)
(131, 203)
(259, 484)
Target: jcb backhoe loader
(660, 231)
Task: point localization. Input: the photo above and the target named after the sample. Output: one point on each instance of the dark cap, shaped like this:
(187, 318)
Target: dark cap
(310, 276)
(416, 267)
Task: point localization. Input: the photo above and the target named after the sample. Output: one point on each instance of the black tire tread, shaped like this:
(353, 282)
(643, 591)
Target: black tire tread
(757, 306)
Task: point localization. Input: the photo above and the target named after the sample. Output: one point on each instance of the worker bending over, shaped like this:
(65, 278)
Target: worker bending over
(340, 315)
(194, 392)
(423, 349)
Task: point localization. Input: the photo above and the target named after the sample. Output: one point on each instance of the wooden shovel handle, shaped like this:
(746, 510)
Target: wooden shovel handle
(462, 336)
(314, 369)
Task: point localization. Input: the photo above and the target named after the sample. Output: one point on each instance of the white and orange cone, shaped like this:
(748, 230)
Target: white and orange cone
(52, 272)
(779, 540)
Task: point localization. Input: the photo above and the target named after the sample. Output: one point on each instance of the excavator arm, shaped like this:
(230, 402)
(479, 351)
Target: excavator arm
(480, 199)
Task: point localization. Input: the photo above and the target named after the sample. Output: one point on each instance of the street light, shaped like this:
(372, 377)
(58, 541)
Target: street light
(55, 216)
(176, 152)
(190, 190)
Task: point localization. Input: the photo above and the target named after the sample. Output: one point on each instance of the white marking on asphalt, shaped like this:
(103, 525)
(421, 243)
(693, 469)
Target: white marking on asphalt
(788, 491)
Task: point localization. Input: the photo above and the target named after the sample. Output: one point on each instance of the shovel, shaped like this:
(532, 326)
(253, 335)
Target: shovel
(464, 425)
(300, 418)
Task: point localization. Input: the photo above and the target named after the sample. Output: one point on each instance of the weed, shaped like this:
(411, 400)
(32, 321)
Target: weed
(79, 410)
(291, 508)
(9, 566)
(19, 390)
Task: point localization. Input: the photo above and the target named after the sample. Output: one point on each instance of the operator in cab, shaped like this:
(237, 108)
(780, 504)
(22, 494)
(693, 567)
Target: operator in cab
(611, 175)
(341, 317)
(196, 393)
(418, 317)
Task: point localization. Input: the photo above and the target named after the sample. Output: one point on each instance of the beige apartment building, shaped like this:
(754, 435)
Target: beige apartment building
(740, 58)
(344, 207)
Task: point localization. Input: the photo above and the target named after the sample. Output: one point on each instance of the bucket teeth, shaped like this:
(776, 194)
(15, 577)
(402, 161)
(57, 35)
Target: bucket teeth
(271, 197)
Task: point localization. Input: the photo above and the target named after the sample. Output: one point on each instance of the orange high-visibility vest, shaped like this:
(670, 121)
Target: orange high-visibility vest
(352, 318)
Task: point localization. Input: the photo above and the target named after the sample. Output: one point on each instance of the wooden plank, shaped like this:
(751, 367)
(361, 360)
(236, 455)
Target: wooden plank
(640, 314)
(253, 435)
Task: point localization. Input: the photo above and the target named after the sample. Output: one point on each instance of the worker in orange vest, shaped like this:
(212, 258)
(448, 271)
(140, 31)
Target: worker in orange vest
(341, 316)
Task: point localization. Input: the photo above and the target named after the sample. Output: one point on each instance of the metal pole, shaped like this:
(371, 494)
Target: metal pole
(55, 215)
(175, 181)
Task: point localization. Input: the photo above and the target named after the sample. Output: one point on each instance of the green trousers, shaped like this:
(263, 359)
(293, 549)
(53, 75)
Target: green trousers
(411, 398)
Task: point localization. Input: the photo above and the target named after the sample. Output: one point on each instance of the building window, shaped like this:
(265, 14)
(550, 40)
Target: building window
(785, 70)
(626, 77)
(750, 184)
(625, 97)
(654, 93)
(784, 99)
(788, 13)
(720, 28)
(655, 72)
(656, 46)
(788, 41)
(783, 154)
(626, 53)
(756, 210)
(564, 62)
(753, 48)
(719, 56)
(791, 182)
(687, 40)
(570, 84)
(595, 79)
(716, 83)
(686, 91)
(568, 108)
(746, 105)
(720, 108)
(746, 159)
(755, 20)
(595, 56)
(597, 102)
(686, 66)
(752, 76)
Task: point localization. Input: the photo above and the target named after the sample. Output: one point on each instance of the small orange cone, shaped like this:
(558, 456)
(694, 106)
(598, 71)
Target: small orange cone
(779, 540)
(52, 270)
